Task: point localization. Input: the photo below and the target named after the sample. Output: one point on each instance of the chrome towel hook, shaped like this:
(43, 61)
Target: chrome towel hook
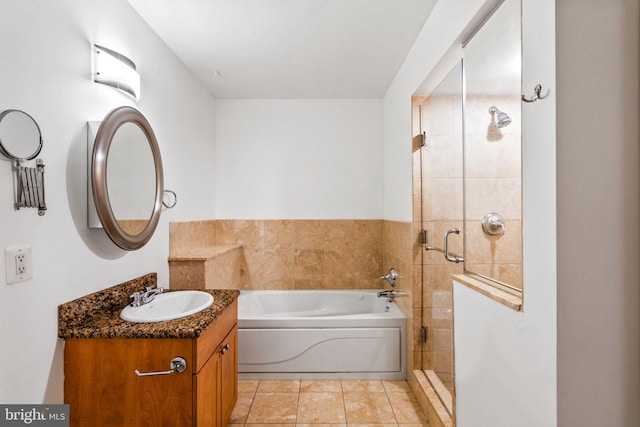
(537, 90)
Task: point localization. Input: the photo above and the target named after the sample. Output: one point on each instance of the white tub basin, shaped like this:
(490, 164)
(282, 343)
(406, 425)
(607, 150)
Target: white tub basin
(168, 306)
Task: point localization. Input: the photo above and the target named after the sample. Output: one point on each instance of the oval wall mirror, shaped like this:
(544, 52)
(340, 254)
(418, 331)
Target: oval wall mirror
(127, 178)
(20, 137)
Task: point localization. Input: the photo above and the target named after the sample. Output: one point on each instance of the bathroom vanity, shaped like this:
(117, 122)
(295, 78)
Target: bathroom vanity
(180, 372)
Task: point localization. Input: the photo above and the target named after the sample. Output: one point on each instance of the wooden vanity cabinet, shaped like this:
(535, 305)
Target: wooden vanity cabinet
(102, 388)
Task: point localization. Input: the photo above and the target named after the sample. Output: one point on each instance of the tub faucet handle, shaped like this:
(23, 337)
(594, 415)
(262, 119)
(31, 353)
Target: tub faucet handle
(391, 277)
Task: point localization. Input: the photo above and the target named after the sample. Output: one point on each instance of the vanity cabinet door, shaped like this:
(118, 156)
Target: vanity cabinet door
(229, 374)
(102, 388)
(206, 386)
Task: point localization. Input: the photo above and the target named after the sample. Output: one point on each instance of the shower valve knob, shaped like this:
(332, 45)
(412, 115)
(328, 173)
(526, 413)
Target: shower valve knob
(493, 224)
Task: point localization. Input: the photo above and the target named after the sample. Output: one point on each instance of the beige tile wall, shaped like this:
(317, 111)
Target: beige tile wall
(397, 253)
(290, 254)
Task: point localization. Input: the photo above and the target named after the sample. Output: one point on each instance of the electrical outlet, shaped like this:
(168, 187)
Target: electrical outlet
(21, 268)
(18, 264)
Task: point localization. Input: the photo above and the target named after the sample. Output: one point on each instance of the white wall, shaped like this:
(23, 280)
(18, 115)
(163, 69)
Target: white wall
(598, 44)
(445, 24)
(46, 71)
(504, 361)
(299, 159)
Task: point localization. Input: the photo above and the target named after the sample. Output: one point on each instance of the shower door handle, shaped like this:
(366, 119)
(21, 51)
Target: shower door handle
(451, 257)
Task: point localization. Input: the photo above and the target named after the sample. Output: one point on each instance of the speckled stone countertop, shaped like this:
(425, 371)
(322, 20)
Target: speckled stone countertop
(98, 315)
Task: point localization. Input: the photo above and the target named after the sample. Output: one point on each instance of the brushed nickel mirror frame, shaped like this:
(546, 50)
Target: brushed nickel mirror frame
(110, 125)
(5, 145)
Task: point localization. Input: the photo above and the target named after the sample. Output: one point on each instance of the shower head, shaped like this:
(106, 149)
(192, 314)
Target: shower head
(502, 119)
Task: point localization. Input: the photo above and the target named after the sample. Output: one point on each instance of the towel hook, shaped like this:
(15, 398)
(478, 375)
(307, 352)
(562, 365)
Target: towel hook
(537, 95)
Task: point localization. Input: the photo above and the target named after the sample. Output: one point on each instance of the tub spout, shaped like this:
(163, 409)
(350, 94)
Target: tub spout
(391, 294)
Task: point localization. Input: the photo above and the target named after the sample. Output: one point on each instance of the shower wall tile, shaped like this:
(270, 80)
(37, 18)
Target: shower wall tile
(493, 167)
(509, 157)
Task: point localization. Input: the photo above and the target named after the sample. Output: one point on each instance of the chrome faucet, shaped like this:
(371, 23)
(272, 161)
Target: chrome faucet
(142, 298)
(391, 294)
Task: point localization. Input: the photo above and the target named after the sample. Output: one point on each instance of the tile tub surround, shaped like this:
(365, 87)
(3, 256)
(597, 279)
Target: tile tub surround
(300, 254)
(321, 403)
(98, 315)
(280, 254)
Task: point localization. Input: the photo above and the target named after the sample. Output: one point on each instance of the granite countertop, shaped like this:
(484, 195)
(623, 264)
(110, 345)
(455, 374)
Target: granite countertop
(98, 315)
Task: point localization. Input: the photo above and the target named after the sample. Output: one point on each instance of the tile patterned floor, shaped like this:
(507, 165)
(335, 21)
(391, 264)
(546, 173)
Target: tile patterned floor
(331, 403)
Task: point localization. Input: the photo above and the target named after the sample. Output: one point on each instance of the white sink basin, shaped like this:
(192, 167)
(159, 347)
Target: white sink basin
(168, 306)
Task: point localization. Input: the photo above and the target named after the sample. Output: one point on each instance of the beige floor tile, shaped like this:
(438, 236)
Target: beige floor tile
(269, 425)
(406, 408)
(396, 386)
(362, 385)
(320, 386)
(327, 407)
(247, 386)
(270, 408)
(321, 425)
(241, 410)
(372, 425)
(279, 386)
(368, 407)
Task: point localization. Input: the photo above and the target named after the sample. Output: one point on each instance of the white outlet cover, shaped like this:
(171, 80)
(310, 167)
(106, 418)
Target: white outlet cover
(10, 255)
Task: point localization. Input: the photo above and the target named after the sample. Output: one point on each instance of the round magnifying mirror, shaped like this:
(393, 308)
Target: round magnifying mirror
(20, 137)
(127, 178)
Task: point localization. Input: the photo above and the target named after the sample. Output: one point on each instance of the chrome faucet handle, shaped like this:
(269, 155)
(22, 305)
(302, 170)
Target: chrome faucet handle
(391, 277)
(154, 291)
(136, 299)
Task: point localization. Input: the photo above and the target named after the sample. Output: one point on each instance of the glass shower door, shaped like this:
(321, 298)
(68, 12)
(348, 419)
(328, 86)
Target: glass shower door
(441, 210)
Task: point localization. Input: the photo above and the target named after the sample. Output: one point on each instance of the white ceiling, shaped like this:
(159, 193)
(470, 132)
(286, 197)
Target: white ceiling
(289, 48)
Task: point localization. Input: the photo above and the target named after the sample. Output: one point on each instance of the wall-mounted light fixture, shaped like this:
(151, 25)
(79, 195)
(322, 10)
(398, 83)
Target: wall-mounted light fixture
(116, 70)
